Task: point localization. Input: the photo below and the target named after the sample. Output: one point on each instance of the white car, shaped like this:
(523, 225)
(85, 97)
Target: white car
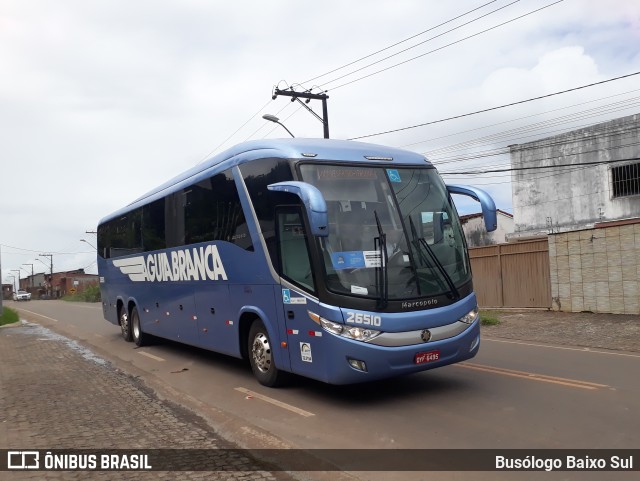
(22, 296)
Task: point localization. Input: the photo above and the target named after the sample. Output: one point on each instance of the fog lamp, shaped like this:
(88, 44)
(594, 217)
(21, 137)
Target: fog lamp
(357, 364)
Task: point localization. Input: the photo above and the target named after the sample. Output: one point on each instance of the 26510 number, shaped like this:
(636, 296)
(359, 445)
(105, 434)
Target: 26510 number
(364, 319)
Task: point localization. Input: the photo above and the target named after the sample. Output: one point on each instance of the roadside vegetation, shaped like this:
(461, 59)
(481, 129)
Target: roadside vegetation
(90, 294)
(9, 316)
(489, 318)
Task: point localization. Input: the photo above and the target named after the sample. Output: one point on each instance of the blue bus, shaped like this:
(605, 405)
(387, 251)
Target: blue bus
(341, 261)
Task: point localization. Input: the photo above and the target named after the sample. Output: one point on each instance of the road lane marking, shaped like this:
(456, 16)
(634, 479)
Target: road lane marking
(35, 313)
(142, 353)
(533, 377)
(565, 348)
(275, 402)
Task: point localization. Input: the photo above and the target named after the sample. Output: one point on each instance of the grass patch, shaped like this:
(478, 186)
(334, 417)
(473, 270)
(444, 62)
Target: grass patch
(9, 316)
(489, 318)
(90, 294)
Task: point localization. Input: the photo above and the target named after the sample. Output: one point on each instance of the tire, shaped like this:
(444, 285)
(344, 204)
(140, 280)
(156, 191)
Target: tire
(260, 352)
(125, 324)
(139, 337)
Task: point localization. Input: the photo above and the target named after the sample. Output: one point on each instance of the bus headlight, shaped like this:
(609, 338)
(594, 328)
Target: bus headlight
(470, 317)
(355, 333)
(360, 334)
(330, 326)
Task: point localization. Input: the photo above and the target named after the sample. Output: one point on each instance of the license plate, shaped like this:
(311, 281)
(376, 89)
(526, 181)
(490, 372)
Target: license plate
(424, 357)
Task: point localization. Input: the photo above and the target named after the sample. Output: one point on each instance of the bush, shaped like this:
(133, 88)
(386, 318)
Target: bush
(9, 316)
(90, 294)
(489, 318)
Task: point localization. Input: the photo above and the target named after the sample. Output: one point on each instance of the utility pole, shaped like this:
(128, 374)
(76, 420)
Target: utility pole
(25, 264)
(50, 256)
(309, 96)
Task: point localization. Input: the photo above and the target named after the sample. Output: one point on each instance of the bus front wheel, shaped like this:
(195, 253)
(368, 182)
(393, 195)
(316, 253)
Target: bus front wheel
(125, 324)
(261, 356)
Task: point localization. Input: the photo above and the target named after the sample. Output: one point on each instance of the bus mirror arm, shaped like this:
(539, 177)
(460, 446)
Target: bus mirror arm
(313, 201)
(486, 202)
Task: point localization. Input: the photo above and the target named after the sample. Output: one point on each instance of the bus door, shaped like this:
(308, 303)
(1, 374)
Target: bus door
(298, 292)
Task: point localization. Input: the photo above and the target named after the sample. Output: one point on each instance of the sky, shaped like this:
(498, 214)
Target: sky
(103, 100)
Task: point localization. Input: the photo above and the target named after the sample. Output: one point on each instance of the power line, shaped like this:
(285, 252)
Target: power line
(519, 118)
(417, 45)
(552, 142)
(545, 124)
(515, 169)
(445, 46)
(397, 43)
(234, 133)
(495, 108)
(31, 250)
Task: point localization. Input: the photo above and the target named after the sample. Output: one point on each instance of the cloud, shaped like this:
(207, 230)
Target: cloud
(102, 101)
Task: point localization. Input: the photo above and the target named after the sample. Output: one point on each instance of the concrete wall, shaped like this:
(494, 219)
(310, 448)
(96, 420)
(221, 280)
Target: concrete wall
(573, 198)
(596, 270)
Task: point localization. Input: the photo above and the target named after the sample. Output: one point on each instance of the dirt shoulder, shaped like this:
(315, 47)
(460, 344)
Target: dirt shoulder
(584, 329)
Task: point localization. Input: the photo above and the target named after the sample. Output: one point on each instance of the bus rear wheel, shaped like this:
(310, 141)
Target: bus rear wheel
(261, 356)
(125, 324)
(139, 337)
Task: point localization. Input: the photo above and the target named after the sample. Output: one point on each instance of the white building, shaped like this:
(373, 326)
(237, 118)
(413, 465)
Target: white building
(594, 187)
(583, 188)
(476, 233)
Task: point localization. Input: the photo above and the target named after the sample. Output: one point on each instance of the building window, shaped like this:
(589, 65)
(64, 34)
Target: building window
(626, 180)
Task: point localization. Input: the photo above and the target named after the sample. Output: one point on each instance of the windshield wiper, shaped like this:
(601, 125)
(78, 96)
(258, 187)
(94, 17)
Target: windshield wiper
(382, 281)
(427, 248)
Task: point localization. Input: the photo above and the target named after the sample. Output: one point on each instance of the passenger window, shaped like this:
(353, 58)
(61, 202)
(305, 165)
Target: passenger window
(294, 249)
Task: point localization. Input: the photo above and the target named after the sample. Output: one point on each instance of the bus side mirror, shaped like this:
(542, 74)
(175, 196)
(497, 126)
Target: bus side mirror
(313, 201)
(486, 202)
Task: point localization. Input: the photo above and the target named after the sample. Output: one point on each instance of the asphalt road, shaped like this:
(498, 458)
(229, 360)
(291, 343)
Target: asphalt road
(512, 395)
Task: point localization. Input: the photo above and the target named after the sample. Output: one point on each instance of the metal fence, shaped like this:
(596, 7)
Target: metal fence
(512, 275)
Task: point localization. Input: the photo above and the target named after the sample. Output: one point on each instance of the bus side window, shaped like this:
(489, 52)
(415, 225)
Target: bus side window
(293, 249)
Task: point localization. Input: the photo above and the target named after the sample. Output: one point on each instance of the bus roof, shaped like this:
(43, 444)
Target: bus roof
(294, 148)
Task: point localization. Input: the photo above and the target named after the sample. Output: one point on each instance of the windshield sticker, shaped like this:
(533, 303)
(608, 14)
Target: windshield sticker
(348, 260)
(359, 290)
(372, 259)
(305, 352)
(394, 175)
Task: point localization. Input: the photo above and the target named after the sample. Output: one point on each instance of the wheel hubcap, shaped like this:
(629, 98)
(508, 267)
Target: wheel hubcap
(124, 322)
(261, 352)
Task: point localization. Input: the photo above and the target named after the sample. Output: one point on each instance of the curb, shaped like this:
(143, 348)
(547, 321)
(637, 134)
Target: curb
(13, 324)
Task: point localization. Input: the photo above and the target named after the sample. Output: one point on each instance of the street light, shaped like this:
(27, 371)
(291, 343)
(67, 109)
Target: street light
(87, 242)
(276, 120)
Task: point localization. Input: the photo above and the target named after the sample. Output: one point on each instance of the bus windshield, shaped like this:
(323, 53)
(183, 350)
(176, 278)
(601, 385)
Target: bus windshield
(393, 233)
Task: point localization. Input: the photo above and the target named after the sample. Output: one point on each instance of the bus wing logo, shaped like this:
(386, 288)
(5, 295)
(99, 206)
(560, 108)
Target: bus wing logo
(133, 267)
